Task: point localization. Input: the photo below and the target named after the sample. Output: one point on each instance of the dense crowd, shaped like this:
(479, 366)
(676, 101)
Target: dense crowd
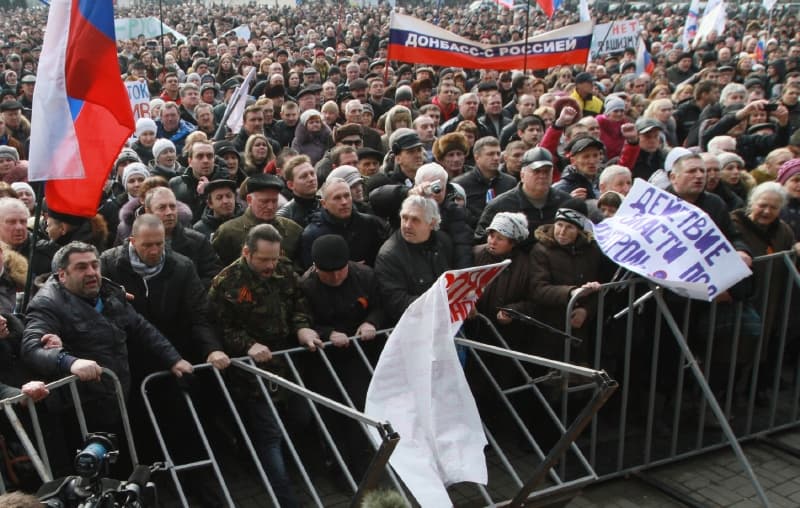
(355, 181)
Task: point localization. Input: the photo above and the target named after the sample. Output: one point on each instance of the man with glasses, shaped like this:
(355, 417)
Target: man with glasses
(533, 196)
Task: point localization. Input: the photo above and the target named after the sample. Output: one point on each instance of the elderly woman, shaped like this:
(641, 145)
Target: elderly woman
(789, 178)
(511, 288)
(765, 233)
(565, 261)
(768, 171)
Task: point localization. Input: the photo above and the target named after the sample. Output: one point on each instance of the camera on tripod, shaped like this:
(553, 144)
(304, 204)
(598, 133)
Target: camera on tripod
(91, 487)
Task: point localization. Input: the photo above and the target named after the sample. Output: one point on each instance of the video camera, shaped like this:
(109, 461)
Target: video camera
(91, 488)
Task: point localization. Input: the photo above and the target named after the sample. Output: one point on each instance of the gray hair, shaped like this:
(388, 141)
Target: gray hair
(718, 143)
(611, 172)
(158, 191)
(430, 209)
(429, 172)
(707, 156)
(330, 182)
(8, 204)
(61, 257)
(766, 188)
(730, 89)
(463, 98)
(146, 221)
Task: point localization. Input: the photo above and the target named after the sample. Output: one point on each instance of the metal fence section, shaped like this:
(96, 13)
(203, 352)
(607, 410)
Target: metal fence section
(516, 477)
(38, 453)
(695, 376)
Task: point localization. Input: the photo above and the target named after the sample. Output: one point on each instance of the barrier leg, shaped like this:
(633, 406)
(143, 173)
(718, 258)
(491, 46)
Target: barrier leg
(709, 395)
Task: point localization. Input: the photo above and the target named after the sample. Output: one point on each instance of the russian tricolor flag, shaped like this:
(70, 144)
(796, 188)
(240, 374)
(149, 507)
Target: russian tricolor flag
(549, 6)
(81, 112)
(644, 63)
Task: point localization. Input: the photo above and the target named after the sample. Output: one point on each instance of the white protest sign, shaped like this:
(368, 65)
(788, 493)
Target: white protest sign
(613, 37)
(139, 95)
(672, 242)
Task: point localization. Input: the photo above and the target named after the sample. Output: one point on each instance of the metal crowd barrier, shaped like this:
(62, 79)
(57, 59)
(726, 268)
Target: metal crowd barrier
(38, 453)
(515, 480)
(664, 413)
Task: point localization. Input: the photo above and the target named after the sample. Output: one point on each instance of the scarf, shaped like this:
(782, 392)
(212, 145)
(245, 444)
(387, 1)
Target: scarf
(144, 271)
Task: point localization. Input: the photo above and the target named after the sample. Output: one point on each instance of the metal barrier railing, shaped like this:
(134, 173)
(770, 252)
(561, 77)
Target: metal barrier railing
(740, 355)
(38, 453)
(522, 490)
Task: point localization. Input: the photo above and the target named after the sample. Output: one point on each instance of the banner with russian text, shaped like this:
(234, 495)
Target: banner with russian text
(671, 242)
(614, 37)
(139, 95)
(420, 388)
(414, 40)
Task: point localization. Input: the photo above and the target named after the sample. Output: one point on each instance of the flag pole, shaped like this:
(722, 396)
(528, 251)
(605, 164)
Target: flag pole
(527, 24)
(38, 188)
(228, 109)
(161, 20)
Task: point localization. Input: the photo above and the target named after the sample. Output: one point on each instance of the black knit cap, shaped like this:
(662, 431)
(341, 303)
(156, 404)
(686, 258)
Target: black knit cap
(330, 253)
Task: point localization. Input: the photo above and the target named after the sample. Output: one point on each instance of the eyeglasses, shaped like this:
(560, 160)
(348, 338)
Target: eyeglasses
(203, 156)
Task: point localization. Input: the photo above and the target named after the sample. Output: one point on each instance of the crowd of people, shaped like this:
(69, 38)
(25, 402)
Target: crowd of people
(355, 181)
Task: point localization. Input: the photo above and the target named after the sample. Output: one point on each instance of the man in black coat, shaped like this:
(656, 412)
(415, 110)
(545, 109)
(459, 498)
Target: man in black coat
(201, 167)
(93, 320)
(534, 197)
(364, 233)
(485, 182)
(161, 202)
(344, 300)
(411, 260)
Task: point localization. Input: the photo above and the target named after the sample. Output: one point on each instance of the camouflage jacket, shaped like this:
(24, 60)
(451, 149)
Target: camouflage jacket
(249, 309)
(230, 236)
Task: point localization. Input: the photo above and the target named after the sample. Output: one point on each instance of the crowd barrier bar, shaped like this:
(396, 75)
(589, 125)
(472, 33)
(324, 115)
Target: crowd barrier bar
(38, 453)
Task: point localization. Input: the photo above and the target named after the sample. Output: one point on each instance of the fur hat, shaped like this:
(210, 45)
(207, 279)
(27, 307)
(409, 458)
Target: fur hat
(449, 142)
(348, 129)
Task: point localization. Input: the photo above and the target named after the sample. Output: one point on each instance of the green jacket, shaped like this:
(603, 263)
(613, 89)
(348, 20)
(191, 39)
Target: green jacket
(248, 309)
(230, 236)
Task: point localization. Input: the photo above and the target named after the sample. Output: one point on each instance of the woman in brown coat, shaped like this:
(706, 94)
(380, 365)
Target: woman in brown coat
(511, 287)
(564, 261)
(765, 233)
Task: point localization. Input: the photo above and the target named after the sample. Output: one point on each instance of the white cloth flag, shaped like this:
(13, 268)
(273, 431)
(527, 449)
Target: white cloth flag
(690, 28)
(714, 19)
(419, 387)
(769, 4)
(583, 10)
(238, 103)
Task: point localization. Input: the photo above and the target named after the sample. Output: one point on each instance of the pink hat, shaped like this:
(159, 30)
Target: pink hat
(788, 169)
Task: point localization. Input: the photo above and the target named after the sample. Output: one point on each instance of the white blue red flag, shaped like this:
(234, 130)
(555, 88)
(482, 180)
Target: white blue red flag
(644, 62)
(508, 4)
(690, 27)
(81, 113)
(414, 40)
(549, 7)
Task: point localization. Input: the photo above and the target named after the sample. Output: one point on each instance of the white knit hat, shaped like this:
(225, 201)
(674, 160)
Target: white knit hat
(145, 125)
(308, 115)
(160, 145)
(134, 168)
